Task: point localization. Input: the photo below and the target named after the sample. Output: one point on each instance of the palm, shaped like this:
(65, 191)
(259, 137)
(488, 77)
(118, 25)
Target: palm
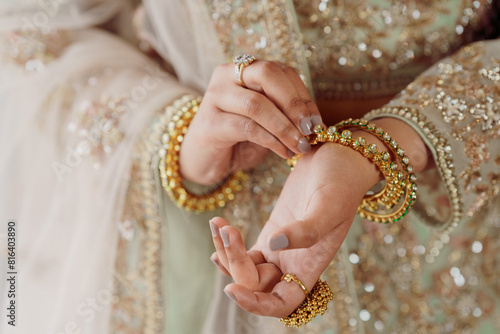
(316, 183)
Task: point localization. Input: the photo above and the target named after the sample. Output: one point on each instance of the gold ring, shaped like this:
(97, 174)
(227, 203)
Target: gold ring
(240, 62)
(290, 277)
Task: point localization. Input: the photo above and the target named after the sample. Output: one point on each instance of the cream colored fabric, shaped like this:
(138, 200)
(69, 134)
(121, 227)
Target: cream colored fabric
(60, 183)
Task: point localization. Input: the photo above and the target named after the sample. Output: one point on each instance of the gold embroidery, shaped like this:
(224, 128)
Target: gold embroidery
(398, 290)
(265, 29)
(400, 247)
(138, 286)
(468, 102)
(443, 158)
(365, 48)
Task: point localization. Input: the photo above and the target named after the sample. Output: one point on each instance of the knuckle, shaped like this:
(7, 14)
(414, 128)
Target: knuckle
(308, 101)
(269, 141)
(269, 68)
(210, 97)
(220, 76)
(253, 309)
(249, 126)
(288, 70)
(219, 72)
(311, 235)
(295, 102)
(284, 130)
(252, 106)
(234, 260)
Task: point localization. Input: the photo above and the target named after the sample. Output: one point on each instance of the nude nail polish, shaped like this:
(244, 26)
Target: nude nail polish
(214, 229)
(230, 295)
(225, 237)
(278, 242)
(304, 145)
(306, 126)
(290, 153)
(215, 261)
(316, 120)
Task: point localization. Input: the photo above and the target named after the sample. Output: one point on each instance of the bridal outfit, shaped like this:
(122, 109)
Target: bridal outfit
(87, 91)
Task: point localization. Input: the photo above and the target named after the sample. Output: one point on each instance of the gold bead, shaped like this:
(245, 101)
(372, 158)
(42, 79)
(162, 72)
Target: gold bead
(313, 305)
(169, 166)
(394, 191)
(318, 129)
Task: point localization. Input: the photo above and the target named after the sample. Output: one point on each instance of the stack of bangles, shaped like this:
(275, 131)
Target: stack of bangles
(397, 197)
(171, 179)
(387, 206)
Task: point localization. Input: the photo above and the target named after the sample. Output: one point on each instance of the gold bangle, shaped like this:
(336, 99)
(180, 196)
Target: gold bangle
(169, 168)
(397, 182)
(442, 155)
(315, 303)
(290, 277)
(405, 182)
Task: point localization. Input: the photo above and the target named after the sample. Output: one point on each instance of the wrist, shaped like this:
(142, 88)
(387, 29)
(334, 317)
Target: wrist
(194, 152)
(369, 171)
(361, 172)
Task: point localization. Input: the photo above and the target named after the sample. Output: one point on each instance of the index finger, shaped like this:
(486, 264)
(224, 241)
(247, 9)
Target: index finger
(283, 86)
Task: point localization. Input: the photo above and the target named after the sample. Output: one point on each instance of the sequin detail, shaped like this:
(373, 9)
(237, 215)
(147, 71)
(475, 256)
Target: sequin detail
(360, 48)
(33, 49)
(138, 286)
(264, 29)
(468, 105)
(98, 126)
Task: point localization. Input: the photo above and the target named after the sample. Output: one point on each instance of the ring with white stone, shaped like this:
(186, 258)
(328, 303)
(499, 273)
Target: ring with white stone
(240, 62)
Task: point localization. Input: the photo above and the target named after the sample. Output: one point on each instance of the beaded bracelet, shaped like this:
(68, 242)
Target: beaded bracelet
(404, 183)
(397, 182)
(169, 168)
(315, 303)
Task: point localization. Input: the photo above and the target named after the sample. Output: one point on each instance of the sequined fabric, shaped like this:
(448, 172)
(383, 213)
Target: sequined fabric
(265, 29)
(34, 49)
(366, 48)
(354, 49)
(463, 103)
(97, 124)
(441, 280)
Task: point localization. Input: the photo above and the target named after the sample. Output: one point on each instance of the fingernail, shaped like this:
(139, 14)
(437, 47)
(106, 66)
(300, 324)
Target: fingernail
(316, 120)
(215, 261)
(304, 146)
(214, 229)
(278, 242)
(290, 154)
(230, 295)
(306, 126)
(225, 237)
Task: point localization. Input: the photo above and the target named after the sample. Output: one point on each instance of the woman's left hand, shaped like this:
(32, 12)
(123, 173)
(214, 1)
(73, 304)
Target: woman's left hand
(308, 224)
(318, 202)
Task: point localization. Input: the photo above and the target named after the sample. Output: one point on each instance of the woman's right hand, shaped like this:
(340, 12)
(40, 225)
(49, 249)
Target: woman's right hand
(235, 127)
